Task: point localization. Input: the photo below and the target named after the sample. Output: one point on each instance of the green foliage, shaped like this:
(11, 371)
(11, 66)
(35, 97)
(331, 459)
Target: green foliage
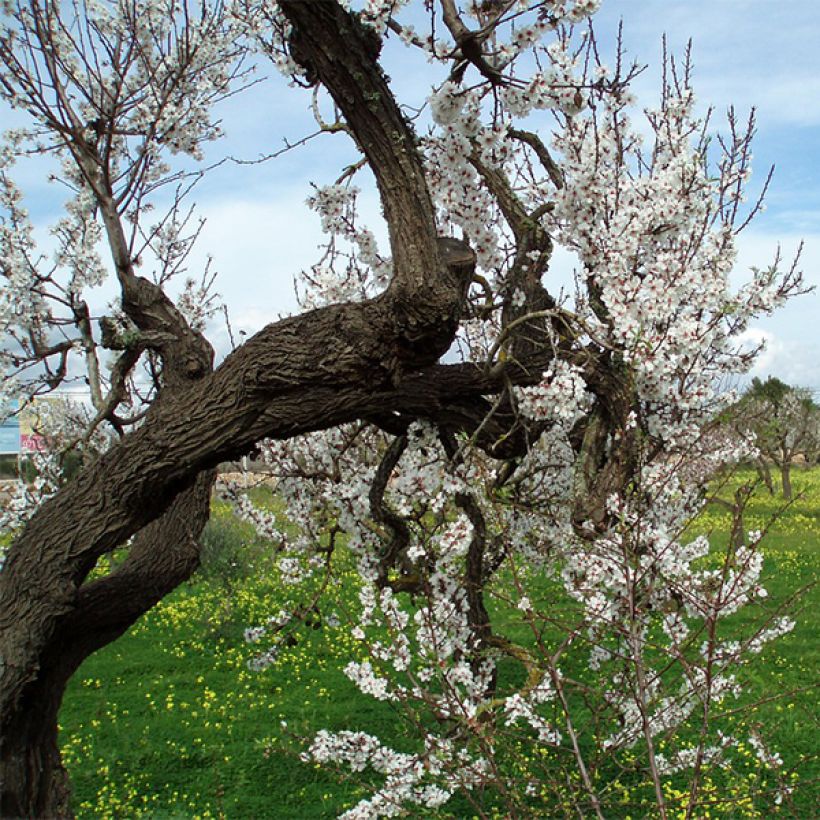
(772, 390)
(229, 552)
(773, 393)
(169, 722)
(8, 466)
(785, 423)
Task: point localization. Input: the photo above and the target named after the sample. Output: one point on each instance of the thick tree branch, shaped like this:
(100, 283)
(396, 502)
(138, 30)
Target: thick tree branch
(469, 42)
(163, 555)
(382, 514)
(343, 54)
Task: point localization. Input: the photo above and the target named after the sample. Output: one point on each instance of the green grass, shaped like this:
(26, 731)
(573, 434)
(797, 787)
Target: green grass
(790, 574)
(169, 722)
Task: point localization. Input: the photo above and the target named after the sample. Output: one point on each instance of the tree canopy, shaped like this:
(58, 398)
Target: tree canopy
(436, 400)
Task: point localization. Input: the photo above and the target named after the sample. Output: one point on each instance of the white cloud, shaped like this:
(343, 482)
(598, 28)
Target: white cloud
(757, 248)
(792, 363)
(771, 349)
(258, 248)
(745, 52)
(779, 98)
(791, 334)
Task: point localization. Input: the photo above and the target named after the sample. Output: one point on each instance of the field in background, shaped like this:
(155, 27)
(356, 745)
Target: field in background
(169, 722)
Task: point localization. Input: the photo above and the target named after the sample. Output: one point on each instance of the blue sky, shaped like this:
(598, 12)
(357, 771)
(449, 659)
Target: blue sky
(746, 53)
(767, 55)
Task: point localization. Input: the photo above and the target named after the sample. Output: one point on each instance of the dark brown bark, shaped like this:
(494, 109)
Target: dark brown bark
(375, 360)
(163, 555)
(393, 555)
(259, 392)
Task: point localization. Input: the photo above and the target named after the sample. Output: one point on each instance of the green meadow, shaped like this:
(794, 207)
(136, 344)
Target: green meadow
(169, 721)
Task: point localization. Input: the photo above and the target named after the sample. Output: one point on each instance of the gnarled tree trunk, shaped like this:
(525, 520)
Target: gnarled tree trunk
(162, 556)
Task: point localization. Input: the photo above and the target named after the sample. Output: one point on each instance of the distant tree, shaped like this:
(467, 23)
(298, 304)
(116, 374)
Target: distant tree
(785, 422)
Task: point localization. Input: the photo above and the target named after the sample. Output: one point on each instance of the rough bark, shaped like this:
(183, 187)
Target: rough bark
(163, 555)
(374, 360)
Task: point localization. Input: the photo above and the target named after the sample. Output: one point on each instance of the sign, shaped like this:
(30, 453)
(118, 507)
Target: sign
(20, 432)
(31, 441)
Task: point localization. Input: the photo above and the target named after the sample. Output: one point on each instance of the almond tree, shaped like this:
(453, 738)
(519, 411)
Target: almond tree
(785, 422)
(577, 415)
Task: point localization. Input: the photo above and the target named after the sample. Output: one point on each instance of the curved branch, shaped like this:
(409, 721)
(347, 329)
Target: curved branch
(542, 152)
(382, 514)
(343, 54)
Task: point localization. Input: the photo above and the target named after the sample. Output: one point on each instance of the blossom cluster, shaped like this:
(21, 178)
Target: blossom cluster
(614, 407)
(418, 780)
(612, 478)
(352, 268)
(561, 396)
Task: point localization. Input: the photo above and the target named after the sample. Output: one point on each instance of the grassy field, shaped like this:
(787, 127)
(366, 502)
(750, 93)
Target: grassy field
(170, 723)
